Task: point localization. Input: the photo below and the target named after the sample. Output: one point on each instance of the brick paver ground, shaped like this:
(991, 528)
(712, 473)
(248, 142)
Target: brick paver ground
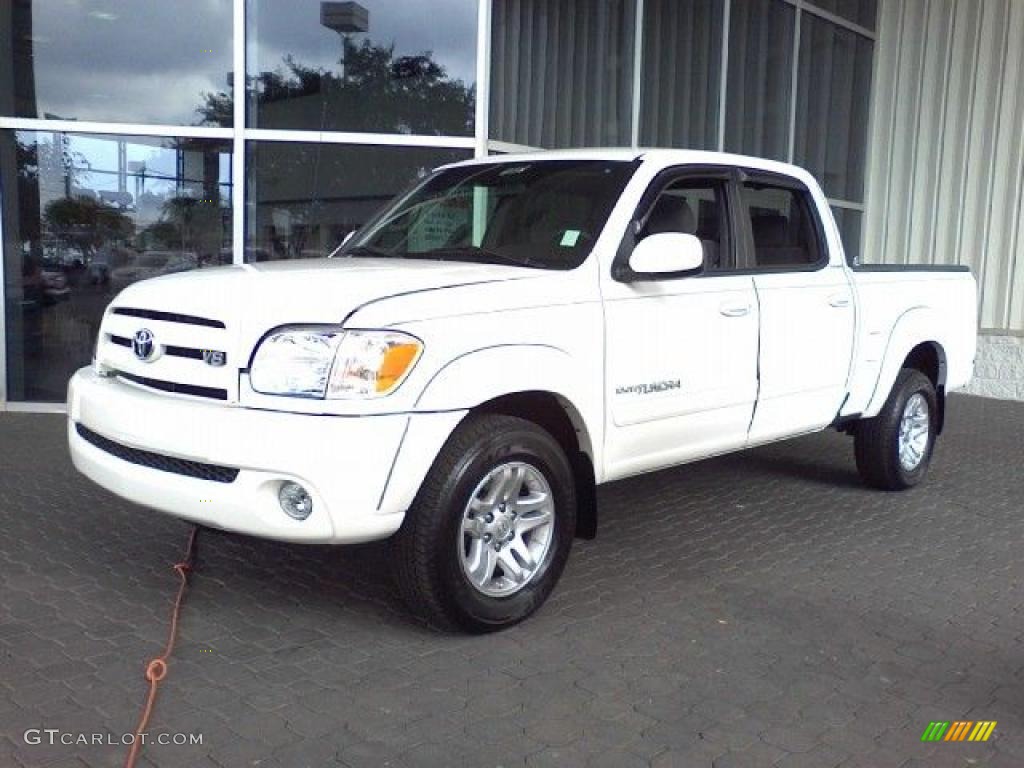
(752, 610)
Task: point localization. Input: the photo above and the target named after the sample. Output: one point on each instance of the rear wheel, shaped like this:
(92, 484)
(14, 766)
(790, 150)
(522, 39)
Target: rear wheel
(894, 448)
(489, 533)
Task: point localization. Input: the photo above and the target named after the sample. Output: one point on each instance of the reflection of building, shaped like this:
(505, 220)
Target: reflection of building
(914, 140)
(17, 83)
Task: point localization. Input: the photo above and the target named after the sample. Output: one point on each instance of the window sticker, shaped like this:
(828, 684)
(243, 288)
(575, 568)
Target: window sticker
(570, 237)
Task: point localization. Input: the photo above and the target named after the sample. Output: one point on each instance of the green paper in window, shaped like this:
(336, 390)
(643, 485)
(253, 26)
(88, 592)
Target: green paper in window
(570, 237)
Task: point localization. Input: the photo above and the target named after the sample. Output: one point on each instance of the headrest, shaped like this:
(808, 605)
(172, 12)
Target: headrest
(770, 230)
(671, 214)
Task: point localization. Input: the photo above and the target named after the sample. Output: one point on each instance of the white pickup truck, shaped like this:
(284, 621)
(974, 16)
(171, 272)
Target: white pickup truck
(501, 338)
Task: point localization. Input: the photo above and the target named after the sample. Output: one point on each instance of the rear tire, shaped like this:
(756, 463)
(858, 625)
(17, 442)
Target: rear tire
(490, 530)
(894, 448)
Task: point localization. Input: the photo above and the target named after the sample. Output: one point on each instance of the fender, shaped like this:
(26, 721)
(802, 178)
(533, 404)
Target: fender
(916, 326)
(474, 378)
(483, 374)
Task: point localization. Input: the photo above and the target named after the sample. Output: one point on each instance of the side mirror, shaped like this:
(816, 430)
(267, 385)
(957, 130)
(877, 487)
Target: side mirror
(666, 254)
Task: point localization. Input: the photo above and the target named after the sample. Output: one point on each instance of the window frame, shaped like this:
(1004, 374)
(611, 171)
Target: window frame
(722, 175)
(748, 251)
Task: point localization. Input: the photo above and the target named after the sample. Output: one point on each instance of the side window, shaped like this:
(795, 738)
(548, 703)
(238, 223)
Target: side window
(694, 207)
(782, 227)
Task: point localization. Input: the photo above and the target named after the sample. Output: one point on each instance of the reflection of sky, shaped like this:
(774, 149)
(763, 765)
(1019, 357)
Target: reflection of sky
(151, 60)
(100, 154)
(152, 166)
(447, 28)
(129, 60)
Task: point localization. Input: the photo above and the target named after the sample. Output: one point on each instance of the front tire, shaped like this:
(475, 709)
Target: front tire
(490, 530)
(894, 448)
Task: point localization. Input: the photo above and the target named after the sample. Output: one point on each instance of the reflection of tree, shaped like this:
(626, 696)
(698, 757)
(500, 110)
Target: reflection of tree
(163, 234)
(189, 225)
(377, 92)
(86, 224)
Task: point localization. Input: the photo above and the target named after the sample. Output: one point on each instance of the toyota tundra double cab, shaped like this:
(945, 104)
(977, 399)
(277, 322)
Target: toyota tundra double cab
(498, 340)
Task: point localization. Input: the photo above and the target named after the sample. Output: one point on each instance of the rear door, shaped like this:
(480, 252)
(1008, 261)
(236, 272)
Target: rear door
(806, 309)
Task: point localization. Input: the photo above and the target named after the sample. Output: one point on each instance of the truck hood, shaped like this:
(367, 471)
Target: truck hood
(253, 298)
(191, 333)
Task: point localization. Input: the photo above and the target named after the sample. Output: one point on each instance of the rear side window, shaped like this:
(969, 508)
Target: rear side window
(782, 226)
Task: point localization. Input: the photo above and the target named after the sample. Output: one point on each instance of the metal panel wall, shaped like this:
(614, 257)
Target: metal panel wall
(946, 172)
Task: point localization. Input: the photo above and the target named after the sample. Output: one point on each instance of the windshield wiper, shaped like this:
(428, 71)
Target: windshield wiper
(358, 251)
(464, 253)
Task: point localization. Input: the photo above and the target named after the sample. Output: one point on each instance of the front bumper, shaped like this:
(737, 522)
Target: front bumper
(344, 462)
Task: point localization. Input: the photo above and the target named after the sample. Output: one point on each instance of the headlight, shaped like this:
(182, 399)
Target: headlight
(319, 361)
(372, 363)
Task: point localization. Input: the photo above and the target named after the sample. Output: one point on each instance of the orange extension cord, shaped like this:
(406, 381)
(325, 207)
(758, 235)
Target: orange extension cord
(156, 669)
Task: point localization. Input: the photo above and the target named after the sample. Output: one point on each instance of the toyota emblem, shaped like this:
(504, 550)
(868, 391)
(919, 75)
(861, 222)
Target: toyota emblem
(143, 345)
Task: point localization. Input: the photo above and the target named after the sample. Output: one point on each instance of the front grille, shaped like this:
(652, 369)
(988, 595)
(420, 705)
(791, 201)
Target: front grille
(170, 317)
(213, 393)
(158, 461)
(194, 365)
(170, 349)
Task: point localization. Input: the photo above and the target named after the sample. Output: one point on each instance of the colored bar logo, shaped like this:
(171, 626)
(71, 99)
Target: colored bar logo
(959, 730)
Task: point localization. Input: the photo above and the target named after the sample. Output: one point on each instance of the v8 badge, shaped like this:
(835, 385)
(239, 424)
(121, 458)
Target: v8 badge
(214, 358)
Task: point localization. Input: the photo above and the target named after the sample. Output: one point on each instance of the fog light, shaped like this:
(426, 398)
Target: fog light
(295, 501)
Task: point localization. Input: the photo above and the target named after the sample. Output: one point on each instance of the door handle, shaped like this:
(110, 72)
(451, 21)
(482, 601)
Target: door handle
(839, 300)
(734, 310)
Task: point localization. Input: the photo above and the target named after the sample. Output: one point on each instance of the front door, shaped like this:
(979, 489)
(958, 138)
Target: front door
(681, 352)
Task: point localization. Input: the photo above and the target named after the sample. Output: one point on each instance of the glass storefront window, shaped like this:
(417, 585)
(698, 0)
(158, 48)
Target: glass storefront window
(832, 106)
(143, 61)
(862, 12)
(679, 90)
(759, 80)
(303, 198)
(562, 73)
(849, 221)
(83, 217)
(373, 66)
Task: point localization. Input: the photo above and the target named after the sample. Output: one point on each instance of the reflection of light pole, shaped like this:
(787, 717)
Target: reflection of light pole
(344, 18)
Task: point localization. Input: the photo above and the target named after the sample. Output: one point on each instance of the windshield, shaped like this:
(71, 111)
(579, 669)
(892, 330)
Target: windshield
(543, 214)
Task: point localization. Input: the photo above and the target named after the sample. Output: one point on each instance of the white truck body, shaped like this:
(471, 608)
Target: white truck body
(651, 373)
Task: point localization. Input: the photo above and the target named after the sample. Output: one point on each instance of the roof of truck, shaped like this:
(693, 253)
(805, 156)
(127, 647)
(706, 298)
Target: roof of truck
(661, 156)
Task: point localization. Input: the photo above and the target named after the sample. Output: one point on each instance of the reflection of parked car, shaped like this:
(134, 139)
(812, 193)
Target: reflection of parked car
(53, 277)
(63, 257)
(153, 264)
(55, 285)
(98, 270)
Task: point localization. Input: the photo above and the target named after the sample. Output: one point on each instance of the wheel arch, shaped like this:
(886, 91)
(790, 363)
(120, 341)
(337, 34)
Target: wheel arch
(562, 420)
(917, 341)
(542, 384)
